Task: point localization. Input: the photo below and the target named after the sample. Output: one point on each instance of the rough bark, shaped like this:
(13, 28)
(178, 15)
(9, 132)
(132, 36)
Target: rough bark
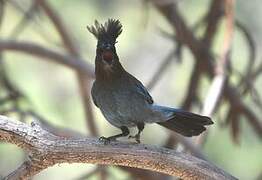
(46, 149)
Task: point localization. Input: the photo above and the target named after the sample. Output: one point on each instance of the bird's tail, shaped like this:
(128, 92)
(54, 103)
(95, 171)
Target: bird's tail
(185, 123)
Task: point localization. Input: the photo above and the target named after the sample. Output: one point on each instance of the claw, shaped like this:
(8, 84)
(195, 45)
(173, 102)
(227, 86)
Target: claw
(106, 140)
(131, 137)
(136, 137)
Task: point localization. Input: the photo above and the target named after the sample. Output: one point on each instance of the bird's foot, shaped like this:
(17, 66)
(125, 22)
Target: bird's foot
(136, 137)
(106, 140)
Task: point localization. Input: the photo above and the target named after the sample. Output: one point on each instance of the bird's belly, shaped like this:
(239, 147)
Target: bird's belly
(123, 109)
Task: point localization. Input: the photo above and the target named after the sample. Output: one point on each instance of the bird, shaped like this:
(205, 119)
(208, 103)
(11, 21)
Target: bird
(123, 99)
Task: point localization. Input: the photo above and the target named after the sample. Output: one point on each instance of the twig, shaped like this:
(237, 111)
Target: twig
(160, 71)
(249, 87)
(28, 15)
(252, 52)
(233, 97)
(39, 28)
(183, 34)
(47, 150)
(254, 121)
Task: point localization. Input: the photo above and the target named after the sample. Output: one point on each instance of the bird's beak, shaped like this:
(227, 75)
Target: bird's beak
(108, 47)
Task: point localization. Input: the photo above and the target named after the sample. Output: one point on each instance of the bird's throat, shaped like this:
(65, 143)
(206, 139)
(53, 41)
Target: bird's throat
(108, 72)
(107, 57)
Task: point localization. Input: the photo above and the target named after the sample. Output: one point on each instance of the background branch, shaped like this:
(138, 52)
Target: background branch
(54, 56)
(84, 83)
(203, 55)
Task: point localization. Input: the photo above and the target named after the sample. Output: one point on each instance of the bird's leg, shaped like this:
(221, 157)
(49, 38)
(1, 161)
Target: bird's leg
(106, 140)
(140, 127)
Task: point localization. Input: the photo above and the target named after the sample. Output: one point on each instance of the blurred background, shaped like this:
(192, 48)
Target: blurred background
(178, 70)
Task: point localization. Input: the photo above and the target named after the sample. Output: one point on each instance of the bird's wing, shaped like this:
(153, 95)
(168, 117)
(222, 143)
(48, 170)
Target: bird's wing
(140, 88)
(143, 91)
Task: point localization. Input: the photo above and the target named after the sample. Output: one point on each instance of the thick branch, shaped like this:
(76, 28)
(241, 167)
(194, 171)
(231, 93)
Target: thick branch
(46, 150)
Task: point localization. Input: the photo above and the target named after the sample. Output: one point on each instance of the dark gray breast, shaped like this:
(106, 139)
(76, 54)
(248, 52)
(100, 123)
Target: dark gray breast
(121, 102)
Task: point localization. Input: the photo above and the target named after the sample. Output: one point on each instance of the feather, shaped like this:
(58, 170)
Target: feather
(107, 32)
(183, 122)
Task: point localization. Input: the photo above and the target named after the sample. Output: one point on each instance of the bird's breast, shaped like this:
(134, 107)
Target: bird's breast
(122, 105)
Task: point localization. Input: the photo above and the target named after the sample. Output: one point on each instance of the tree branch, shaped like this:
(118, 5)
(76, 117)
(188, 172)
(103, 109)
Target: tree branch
(218, 82)
(46, 150)
(217, 86)
(37, 50)
(199, 51)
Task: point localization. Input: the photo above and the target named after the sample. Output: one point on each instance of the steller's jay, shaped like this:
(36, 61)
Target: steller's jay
(123, 99)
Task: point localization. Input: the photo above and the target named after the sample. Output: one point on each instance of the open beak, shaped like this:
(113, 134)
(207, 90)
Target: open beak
(107, 56)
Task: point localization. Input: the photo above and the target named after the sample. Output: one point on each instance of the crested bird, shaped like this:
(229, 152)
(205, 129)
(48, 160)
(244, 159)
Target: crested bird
(123, 99)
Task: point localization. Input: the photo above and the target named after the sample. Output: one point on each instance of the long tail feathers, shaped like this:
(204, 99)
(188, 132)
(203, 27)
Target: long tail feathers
(187, 123)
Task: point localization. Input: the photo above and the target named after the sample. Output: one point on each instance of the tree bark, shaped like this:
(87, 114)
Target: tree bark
(46, 149)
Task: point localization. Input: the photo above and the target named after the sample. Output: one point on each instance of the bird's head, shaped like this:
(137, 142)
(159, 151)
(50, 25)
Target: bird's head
(106, 35)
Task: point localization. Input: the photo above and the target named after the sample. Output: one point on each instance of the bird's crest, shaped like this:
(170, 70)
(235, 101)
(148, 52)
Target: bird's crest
(107, 32)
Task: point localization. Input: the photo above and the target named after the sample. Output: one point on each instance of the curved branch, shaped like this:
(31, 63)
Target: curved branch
(47, 150)
(37, 50)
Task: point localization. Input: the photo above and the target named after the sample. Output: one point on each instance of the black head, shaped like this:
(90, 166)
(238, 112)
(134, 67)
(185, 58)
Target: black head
(106, 34)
